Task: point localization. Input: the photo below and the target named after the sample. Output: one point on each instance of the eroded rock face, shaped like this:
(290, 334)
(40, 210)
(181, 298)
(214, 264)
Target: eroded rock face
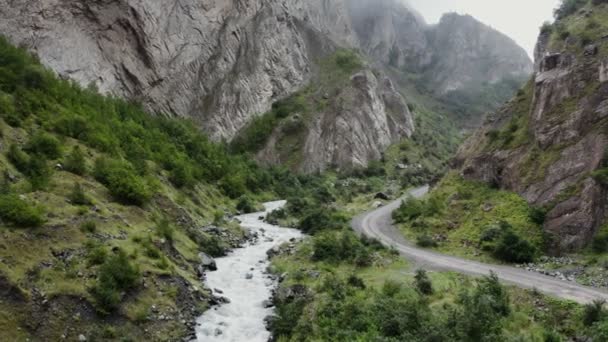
(219, 62)
(360, 123)
(568, 141)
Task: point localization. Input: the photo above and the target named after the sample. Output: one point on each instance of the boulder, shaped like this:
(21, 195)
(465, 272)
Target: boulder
(382, 196)
(207, 262)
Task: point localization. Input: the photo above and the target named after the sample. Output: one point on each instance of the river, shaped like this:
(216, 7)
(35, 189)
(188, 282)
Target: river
(242, 278)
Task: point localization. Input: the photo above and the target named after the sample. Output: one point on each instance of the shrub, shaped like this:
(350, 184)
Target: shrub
(122, 181)
(78, 197)
(18, 158)
(422, 282)
(425, 241)
(116, 275)
(348, 61)
(18, 212)
(44, 144)
(88, 226)
(538, 215)
(321, 219)
(76, 162)
(599, 2)
(246, 205)
(182, 175)
(38, 172)
(512, 248)
(96, 255)
(600, 243)
(594, 312)
(391, 288)
(601, 176)
(165, 230)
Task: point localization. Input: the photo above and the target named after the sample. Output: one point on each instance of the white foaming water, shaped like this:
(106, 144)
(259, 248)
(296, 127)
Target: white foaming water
(243, 318)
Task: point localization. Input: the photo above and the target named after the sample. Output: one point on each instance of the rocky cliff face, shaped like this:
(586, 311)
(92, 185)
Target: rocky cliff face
(362, 118)
(222, 63)
(219, 62)
(549, 143)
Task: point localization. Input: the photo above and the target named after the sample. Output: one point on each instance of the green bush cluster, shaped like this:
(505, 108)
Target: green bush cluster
(123, 181)
(115, 276)
(75, 162)
(320, 219)
(395, 313)
(413, 208)
(341, 247)
(246, 205)
(506, 244)
(35, 167)
(18, 212)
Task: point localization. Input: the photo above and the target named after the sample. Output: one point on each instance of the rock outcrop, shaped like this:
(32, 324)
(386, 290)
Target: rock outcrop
(547, 143)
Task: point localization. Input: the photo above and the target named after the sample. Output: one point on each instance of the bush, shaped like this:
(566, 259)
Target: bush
(96, 255)
(76, 162)
(116, 275)
(425, 241)
(88, 226)
(44, 144)
(321, 219)
(78, 197)
(38, 172)
(600, 243)
(123, 181)
(18, 212)
(246, 205)
(512, 248)
(338, 247)
(594, 312)
(182, 175)
(538, 215)
(165, 230)
(422, 282)
(18, 158)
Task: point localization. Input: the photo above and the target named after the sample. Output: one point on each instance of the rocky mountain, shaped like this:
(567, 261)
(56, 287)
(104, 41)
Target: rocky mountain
(224, 63)
(549, 143)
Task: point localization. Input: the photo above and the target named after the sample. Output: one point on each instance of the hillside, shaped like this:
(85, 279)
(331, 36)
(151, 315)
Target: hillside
(548, 144)
(109, 215)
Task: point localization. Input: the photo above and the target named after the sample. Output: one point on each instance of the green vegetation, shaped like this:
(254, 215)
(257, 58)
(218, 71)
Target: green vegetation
(585, 32)
(116, 275)
(383, 300)
(75, 162)
(16, 211)
(473, 220)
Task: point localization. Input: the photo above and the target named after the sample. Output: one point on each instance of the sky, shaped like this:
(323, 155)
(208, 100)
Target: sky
(519, 19)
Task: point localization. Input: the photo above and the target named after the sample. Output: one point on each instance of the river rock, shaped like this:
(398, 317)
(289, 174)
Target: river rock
(249, 276)
(267, 304)
(207, 262)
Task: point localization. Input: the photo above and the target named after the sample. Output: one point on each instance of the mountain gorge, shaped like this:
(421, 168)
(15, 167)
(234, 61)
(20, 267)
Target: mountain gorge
(223, 64)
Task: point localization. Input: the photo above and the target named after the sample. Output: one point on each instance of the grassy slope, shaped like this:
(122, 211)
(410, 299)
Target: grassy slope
(46, 273)
(464, 211)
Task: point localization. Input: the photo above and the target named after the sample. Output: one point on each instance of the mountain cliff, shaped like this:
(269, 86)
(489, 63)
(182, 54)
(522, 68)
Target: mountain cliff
(224, 63)
(549, 143)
